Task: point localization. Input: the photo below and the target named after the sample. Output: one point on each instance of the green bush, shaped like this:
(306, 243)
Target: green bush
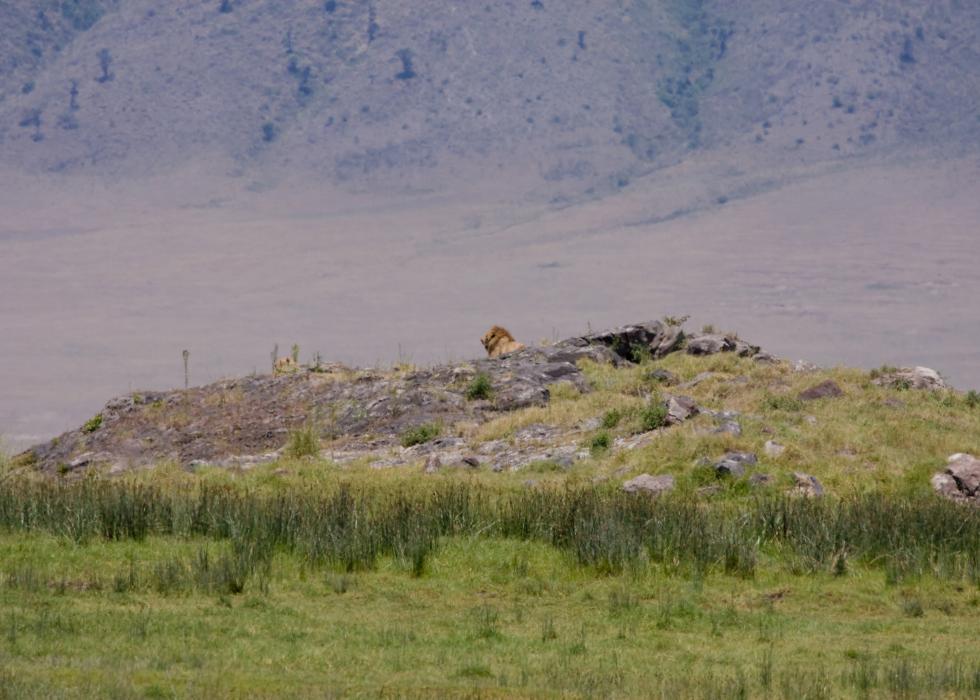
(653, 415)
(600, 442)
(303, 442)
(420, 434)
(479, 387)
(611, 418)
(774, 402)
(92, 424)
(972, 398)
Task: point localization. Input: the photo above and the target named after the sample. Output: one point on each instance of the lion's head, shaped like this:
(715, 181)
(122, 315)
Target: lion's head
(498, 341)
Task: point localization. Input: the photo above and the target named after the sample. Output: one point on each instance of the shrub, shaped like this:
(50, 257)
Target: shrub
(972, 398)
(83, 14)
(653, 415)
(611, 418)
(420, 434)
(600, 442)
(479, 387)
(303, 442)
(912, 607)
(92, 424)
(105, 60)
(775, 402)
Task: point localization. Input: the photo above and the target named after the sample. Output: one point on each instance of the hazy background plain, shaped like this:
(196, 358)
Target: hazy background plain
(383, 180)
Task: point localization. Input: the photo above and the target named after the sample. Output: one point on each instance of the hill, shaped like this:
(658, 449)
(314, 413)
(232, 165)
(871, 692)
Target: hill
(648, 396)
(541, 525)
(397, 94)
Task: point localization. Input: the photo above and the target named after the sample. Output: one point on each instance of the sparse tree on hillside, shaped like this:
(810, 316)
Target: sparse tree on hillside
(105, 60)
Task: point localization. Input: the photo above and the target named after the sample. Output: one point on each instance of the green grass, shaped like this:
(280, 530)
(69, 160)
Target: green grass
(303, 442)
(499, 617)
(872, 439)
(306, 579)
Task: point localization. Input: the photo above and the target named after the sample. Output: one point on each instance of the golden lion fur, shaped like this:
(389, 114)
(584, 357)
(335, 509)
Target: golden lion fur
(498, 341)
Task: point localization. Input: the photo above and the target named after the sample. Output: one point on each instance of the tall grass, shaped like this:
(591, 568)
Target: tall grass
(607, 530)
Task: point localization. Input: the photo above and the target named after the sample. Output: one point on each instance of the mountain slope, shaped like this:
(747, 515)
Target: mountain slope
(370, 93)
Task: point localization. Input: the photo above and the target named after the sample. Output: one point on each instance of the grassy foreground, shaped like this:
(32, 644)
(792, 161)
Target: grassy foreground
(304, 579)
(127, 590)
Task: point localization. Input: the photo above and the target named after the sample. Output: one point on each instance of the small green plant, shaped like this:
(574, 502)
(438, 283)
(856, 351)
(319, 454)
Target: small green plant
(641, 354)
(972, 399)
(420, 434)
(92, 424)
(303, 442)
(707, 329)
(839, 567)
(611, 418)
(599, 443)
(548, 631)
(339, 583)
(487, 619)
(622, 600)
(653, 415)
(912, 607)
(294, 353)
(479, 387)
(542, 466)
(675, 320)
(782, 402)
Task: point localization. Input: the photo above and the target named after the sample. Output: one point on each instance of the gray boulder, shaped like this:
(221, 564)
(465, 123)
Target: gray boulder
(806, 485)
(824, 390)
(733, 464)
(663, 376)
(773, 448)
(713, 343)
(961, 479)
(630, 342)
(650, 485)
(680, 409)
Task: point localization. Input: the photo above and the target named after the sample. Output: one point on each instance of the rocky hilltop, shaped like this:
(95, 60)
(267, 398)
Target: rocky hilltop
(437, 417)
(362, 411)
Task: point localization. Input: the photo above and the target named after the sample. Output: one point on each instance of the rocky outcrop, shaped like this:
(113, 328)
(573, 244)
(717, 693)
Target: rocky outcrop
(921, 378)
(960, 481)
(246, 421)
(653, 339)
(712, 343)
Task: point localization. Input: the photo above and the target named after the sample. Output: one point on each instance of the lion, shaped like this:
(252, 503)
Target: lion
(498, 341)
(284, 365)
